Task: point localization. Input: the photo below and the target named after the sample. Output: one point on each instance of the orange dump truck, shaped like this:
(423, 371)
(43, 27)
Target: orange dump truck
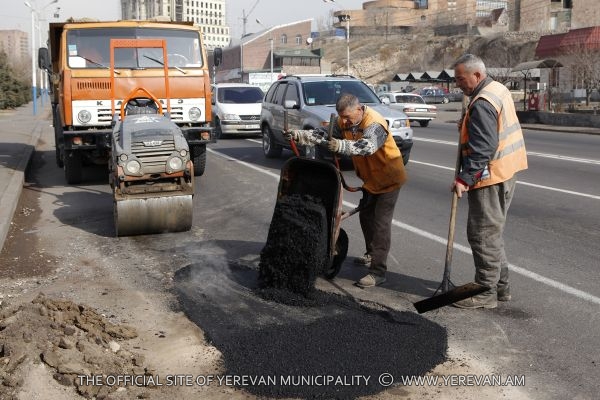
(79, 64)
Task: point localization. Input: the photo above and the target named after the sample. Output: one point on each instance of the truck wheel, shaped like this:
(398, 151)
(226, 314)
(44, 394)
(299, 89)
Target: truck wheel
(270, 148)
(73, 167)
(58, 137)
(199, 160)
(424, 123)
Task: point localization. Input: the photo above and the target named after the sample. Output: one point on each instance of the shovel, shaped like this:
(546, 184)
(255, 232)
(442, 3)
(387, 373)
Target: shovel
(449, 292)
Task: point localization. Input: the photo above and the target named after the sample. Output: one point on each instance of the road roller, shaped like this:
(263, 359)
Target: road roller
(151, 173)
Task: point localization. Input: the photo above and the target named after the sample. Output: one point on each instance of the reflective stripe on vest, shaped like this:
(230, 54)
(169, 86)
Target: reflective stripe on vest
(382, 171)
(510, 156)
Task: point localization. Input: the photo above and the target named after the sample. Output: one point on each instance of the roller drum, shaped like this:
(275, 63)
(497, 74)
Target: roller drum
(139, 216)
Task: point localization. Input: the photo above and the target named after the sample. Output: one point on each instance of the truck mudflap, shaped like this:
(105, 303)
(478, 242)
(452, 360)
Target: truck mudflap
(147, 215)
(198, 135)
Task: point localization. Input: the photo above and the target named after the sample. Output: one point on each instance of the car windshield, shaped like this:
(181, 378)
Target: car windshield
(240, 95)
(90, 48)
(327, 92)
(409, 99)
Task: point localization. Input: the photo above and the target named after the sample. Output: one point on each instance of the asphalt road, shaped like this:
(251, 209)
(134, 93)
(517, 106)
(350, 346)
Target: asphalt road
(548, 333)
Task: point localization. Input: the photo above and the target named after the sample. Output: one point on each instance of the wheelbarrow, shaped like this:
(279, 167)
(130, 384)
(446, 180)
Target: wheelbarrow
(322, 180)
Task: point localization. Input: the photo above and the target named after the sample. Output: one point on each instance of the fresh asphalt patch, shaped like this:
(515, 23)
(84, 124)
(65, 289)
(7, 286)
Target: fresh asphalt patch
(277, 343)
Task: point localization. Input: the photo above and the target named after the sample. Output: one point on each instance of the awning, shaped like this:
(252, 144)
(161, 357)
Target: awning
(548, 63)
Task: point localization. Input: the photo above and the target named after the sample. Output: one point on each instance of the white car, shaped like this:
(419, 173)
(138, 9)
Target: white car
(236, 109)
(412, 105)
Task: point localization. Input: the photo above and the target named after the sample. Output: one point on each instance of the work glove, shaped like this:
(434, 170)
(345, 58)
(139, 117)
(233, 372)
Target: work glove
(334, 145)
(291, 135)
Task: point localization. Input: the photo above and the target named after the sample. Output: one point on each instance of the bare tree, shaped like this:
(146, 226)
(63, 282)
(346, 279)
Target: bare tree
(584, 63)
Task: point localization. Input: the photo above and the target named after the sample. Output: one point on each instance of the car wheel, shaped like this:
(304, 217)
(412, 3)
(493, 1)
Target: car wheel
(199, 160)
(424, 123)
(270, 148)
(446, 100)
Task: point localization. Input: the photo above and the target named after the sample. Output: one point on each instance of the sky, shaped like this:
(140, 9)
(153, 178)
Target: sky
(14, 14)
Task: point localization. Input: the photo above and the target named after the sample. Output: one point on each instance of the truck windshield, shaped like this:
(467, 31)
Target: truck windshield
(90, 48)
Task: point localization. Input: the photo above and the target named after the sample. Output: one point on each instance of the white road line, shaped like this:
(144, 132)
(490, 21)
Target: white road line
(589, 196)
(522, 271)
(529, 153)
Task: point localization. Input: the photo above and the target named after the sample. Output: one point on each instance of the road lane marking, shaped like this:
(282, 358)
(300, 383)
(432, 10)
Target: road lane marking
(529, 153)
(589, 196)
(465, 249)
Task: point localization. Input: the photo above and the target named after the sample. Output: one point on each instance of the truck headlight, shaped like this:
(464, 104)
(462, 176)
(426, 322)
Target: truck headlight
(231, 117)
(133, 167)
(194, 114)
(183, 153)
(84, 116)
(175, 164)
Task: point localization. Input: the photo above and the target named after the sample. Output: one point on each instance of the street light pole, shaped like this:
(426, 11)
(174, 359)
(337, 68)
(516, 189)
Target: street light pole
(33, 55)
(271, 45)
(344, 18)
(33, 71)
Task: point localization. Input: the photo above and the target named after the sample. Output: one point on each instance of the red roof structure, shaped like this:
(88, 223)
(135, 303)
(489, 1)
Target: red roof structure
(562, 43)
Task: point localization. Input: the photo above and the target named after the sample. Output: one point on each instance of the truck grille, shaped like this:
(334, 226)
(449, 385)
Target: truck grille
(153, 158)
(105, 116)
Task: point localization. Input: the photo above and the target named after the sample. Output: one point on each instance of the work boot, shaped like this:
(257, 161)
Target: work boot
(364, 260)
(504, 294)
(370, 280)
(479, 301)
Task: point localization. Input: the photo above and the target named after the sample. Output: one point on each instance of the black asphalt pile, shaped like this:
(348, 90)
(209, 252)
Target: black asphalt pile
(296, 249)
(332, 347)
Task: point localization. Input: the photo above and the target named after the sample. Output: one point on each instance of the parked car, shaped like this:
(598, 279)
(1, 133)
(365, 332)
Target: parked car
(310, 101)
(434, 95)
(236, 109)
(412, 105)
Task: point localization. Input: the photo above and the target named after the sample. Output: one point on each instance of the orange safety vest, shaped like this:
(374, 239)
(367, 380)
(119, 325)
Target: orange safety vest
(510, 156)
(382, 171)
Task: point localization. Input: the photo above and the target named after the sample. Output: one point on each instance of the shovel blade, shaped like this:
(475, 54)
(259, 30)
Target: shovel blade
(451, 296)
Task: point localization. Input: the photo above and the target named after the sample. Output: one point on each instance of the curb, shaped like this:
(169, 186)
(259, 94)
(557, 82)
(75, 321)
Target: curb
(10, 198)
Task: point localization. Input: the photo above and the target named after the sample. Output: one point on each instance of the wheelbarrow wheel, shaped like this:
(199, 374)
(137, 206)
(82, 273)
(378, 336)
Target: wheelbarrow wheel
(341, 251)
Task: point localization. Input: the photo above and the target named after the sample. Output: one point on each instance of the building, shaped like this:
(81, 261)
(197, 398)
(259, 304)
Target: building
(249, 58)
(392, 14)
(15, 44)
(209, 15)
(556, 15)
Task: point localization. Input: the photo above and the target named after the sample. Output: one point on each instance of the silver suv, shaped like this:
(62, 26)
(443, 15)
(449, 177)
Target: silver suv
(310, 101)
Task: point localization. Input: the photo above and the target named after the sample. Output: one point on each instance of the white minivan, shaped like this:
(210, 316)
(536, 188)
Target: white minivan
(236, 109)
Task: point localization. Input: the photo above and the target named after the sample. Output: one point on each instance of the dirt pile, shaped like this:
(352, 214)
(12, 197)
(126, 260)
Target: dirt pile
(73, 342)
(296, 249)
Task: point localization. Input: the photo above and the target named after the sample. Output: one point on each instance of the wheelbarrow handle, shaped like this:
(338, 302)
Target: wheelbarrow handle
(285, 129)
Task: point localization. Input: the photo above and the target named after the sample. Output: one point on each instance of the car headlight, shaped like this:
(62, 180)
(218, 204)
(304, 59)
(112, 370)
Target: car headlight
(400, 123)
(133, 167)
(231, 117)
(84, 116)
(194, 114)
(175, 164)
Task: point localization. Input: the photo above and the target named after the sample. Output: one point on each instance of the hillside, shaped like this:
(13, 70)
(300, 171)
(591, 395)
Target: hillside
(377, 59)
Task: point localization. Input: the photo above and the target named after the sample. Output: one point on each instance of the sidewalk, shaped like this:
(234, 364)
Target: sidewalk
(20, 131)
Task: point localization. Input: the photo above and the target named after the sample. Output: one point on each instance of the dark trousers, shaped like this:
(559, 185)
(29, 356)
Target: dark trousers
(376, 224)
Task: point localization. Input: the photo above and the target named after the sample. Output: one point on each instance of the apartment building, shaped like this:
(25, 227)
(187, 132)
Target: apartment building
(15, 44)
(209, 15)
